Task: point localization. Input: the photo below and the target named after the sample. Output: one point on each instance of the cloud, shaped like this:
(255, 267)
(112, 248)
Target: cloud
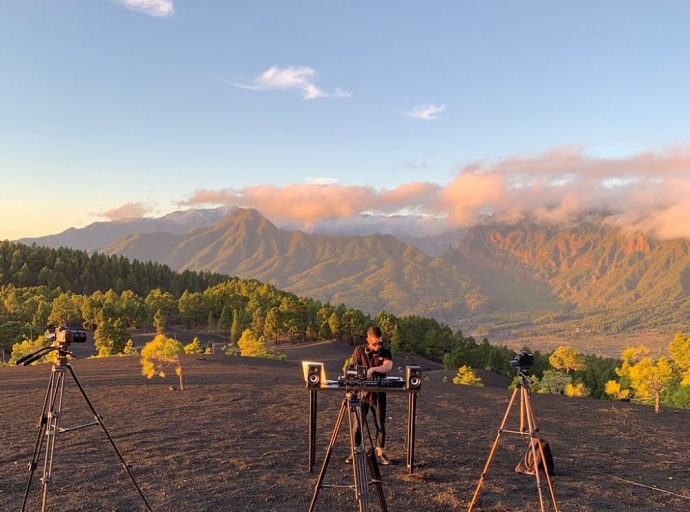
(322, 181)
(301, 78)
(426, 111)
(339, 93)
(649, 191)
(415, 165)
(160, 8)
(126, 211)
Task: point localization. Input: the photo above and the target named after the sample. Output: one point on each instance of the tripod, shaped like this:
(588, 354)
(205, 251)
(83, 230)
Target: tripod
(526, 413)
(363, 458)
(49, 422)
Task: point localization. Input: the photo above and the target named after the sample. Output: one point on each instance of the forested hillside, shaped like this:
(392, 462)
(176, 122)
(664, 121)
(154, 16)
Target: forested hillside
(500, 280)
(371, 273)
(110, 296)
(598, 279)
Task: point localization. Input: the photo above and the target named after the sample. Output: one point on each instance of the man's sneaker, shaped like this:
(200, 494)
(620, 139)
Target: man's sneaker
(383, 460)
(349, 459)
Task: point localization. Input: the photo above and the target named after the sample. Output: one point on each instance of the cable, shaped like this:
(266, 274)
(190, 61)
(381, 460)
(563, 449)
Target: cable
(635, 483)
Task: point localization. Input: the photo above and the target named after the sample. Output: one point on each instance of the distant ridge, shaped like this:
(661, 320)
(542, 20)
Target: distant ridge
(371, 273)
(602, 279)
(99, 234)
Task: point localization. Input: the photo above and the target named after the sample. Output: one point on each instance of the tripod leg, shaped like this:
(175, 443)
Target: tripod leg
(374, 470)
(52, 428)
(375, 473)
(493, 449)
(533, 441)
(107, 434)
(42, 428)
(534, 445)
(368, 461)
(359, 459)
(329, 450)
(548, 479)
(531, 420)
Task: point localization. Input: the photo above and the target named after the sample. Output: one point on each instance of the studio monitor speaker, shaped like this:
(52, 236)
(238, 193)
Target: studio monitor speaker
(313, 374)
(413, 377)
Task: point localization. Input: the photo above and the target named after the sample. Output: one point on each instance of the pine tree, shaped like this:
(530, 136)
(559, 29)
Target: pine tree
(194, 347)
(648, 378)
(224, 322)
(567, 358)
(159, 322)
(160, 353)
(251, 346)
(210, 323)
(235, 327)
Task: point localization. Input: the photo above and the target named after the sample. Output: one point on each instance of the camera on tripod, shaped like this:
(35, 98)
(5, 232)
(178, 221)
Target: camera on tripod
(65, 335)
(523, 360)
(356, 372)
(355, 375)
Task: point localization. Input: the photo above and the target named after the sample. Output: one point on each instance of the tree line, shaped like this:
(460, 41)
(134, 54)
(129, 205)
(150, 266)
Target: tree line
(110, 295)
(26, 266)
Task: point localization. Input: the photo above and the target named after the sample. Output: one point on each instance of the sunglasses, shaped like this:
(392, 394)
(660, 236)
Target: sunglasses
(377, 342)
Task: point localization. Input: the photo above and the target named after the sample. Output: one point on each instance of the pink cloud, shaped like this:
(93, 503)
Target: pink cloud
(648, 191)
(126, 211)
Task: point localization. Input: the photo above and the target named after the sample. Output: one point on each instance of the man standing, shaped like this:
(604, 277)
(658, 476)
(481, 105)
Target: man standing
(378, 361)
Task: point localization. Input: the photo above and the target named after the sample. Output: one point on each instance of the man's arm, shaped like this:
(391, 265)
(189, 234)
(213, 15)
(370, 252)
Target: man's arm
(384, 367)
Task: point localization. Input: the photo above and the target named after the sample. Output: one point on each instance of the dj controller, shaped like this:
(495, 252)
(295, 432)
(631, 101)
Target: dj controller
(387, 382)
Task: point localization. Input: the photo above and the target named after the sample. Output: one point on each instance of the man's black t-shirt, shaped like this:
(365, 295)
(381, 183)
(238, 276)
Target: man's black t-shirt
(366, 357)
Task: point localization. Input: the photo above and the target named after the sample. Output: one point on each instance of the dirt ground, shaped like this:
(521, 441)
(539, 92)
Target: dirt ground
(236, 440)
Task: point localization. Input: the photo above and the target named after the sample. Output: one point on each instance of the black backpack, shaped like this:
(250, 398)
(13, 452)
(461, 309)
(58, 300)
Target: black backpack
(528, 465)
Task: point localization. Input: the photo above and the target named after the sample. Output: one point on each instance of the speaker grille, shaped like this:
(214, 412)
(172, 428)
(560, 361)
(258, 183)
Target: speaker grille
(314, 377)
(413, 377)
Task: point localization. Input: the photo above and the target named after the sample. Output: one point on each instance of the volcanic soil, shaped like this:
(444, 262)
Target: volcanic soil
(236, 440)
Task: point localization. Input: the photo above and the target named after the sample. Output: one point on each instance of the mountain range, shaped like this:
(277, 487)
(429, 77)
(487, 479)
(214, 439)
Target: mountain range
(505, 281)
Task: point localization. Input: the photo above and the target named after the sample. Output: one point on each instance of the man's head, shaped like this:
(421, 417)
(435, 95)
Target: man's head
(374, 338)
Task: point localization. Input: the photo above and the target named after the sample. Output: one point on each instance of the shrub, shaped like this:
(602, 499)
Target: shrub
(681, 398)
(160, 353)
(555, 382)
(466, 377)
(130, 349)
(194, 347)
(577, 390)
(27, 347)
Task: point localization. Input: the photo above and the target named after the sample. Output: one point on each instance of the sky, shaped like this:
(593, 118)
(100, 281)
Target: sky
(314, 111)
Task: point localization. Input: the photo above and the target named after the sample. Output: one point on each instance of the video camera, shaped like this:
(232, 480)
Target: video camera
(523, 360)
(65, 335)
(355, 375)
(60, 340)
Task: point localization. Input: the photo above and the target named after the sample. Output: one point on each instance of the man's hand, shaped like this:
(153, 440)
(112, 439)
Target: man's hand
(384, 368)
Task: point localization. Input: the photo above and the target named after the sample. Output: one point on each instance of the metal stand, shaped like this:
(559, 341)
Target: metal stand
(409, 437)
(412, 396)
(363, 457)
(49, 422)
(526, 413)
